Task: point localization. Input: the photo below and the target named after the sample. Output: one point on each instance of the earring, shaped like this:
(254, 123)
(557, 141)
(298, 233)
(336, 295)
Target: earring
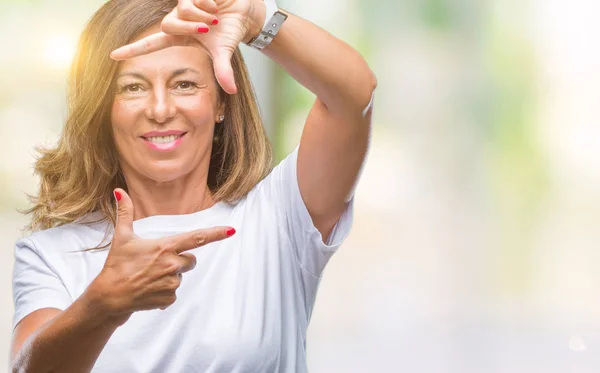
(221, 118)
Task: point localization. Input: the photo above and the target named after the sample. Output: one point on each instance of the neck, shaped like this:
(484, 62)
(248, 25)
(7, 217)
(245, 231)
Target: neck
(185, 195)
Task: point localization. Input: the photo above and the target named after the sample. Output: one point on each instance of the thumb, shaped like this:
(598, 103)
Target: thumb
(190, 262)
(124, 226)
(224, 71)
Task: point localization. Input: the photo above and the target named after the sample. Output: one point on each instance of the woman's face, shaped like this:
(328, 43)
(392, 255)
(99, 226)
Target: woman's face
(164, 112)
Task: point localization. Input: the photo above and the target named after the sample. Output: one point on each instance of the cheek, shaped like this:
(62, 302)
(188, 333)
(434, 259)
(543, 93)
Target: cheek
(199, 110)
(124, 111)
(122, 117)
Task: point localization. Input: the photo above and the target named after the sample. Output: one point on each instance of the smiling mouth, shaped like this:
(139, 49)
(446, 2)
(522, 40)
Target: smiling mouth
(163, 139)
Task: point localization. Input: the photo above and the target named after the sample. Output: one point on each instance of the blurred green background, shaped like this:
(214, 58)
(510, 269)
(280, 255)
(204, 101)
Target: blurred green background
(476, 233)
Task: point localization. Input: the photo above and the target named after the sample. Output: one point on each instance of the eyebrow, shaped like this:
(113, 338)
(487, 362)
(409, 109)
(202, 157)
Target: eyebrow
(173, 75)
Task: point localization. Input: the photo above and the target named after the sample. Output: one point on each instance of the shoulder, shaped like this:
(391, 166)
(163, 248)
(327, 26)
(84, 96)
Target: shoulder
(283, 173)
(87, 232)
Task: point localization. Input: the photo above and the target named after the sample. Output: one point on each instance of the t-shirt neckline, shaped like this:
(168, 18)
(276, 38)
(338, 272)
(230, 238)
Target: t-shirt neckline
(167, 221)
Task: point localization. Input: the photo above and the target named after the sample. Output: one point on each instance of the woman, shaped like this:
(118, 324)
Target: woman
(169, 128)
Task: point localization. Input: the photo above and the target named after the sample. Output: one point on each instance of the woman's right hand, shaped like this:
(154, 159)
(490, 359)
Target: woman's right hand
(142, 274)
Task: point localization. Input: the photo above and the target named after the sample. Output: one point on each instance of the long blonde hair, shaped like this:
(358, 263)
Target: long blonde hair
(79, 174)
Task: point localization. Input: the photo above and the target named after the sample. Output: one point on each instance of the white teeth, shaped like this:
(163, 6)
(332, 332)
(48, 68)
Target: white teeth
(163, 139)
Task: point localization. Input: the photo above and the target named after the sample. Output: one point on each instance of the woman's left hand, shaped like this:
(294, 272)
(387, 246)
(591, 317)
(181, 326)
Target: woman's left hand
(188, 24)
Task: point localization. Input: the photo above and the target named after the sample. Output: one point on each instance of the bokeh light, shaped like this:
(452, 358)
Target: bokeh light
(59, 50)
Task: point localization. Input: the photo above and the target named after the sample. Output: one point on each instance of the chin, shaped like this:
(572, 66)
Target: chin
(163, 172)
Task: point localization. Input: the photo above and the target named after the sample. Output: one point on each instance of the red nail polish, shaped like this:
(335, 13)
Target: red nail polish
(203, 29)
(215, 21)
(230, 232)
(117, 195)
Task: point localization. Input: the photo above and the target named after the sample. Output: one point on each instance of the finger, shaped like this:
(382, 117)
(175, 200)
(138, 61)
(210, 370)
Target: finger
(180, 263)
(163, 300)
(188, 263)
(207, 5)
(224, 71)
(191, 240)
(187, 11)
(124, 225)
(147, 45)
(176, 26)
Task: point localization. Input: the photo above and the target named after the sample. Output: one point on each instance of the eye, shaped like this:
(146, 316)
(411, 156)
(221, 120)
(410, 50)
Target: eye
(132, 88)
(186, 85)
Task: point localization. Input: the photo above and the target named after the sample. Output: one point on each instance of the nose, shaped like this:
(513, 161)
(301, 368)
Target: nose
(161, 108)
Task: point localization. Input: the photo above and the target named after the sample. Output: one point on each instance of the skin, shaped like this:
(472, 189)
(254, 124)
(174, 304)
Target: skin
(150, 98)
(336, 134)
(332, 150)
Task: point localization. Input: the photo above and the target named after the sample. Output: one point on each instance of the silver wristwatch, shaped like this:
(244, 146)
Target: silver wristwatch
(273, 21)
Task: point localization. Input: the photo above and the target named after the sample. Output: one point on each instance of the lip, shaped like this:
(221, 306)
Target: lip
(166, 147)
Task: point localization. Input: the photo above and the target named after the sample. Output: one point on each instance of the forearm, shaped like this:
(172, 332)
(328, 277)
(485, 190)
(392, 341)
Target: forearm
(71, 342)
(335, 72)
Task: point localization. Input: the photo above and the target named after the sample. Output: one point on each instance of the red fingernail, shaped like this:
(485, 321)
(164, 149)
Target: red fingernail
(215, 21)
(203, 29)
(230, 232)
(216, 10)
(117, 195)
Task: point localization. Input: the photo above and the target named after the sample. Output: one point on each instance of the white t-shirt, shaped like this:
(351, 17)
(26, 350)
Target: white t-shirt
(245, 307)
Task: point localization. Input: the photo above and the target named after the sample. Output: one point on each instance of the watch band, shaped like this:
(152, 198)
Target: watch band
(271, 8)
(273, 21)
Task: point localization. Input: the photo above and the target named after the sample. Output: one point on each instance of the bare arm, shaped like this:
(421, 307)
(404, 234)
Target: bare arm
(336, 133)
(50, 340)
